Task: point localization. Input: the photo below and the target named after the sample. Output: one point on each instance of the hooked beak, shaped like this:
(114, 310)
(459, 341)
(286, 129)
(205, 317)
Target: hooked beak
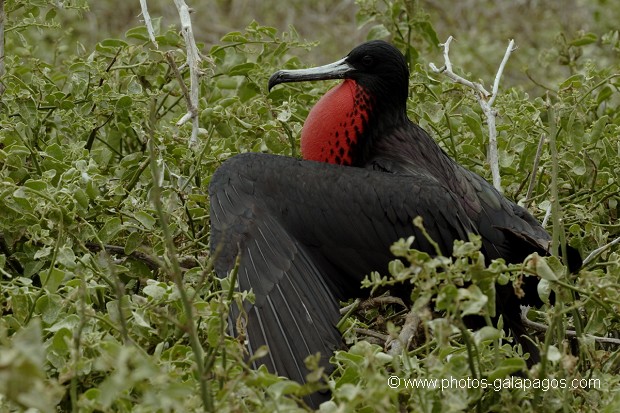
(336, 70)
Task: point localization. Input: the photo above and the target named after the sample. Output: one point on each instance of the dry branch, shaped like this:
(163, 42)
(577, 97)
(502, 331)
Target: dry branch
(2, 69)
(193, 60)
(534, 325)
(599, 251)
(148, 23)
(485, 99)
(407, 333)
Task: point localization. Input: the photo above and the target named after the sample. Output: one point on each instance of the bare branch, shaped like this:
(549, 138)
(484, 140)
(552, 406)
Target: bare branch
(407, 333)
(511, 48)
(372, 333)
(193, 59)
(599, 251)
(2, 68)
(152, 262)
(569, 333)
(485, 99)
(379, 301)
(182, 85)
(447, 70)
(148, 23)
(530, 188)
(372, 302)
(547, 216)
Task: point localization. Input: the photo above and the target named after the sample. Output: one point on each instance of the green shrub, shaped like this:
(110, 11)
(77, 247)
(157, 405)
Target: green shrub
(104, 224)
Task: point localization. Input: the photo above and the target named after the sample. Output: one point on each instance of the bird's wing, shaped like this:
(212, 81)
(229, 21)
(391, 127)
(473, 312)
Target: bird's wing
(307, 233)
(508, 231)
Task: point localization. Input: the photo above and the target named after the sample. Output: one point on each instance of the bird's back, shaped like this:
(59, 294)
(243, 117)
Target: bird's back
(508, 230)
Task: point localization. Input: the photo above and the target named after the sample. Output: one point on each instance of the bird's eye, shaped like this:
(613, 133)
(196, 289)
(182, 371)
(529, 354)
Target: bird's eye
(368, 61)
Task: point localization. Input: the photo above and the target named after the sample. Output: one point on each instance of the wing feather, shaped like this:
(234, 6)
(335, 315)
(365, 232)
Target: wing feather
(308, 232)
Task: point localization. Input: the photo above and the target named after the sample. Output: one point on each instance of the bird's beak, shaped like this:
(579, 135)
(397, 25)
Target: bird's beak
(336, 70)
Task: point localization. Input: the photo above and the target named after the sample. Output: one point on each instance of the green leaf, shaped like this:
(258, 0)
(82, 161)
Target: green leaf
(42, 253)
(81, 198)
(50, 307)
(280, 388)
(55, 151)
(487, 333)
(234, 37)
(474, 124)
(147, 220)
(66, 257)
(140, 320)
(227, 83)
(70, 322)
(247, 90)
(133, 242)
(543, 269)
(428, 31)
(472, 299)
(587, 38)
(544, 290)
(154, 290)
(579, 167)
(36, 185)
(507, 367)
(597, 129)
(138, 32)
(113, 43)
(50, 15)
(242, 69)
(61, 340)
(378, 31)
(124, 102)
(575, 81)
(52, 279)
(110, 229)
(553, 354)
(447, 297)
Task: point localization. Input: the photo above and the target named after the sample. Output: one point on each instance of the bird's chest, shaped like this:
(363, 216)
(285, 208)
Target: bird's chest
(335, 124)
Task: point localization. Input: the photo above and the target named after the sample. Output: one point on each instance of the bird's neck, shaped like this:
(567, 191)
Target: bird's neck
(335, 125)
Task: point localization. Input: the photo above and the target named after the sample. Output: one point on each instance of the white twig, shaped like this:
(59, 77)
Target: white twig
(599, 250)
(148, 23)
(193, 59)
(569, 333)
(372, 333)
(2, 68)
(511, 48)
(485, 99)
(530, 188)
(547, 216)
(407, 333)
(447, 70)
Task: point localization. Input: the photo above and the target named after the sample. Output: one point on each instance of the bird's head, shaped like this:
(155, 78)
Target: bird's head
(375, 88)
(377, 66)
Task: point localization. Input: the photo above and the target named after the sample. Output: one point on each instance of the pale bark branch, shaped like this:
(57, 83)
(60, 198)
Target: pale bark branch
(545, 220)
(2, 68)
(148, 23)
(534, 325)
(193, 60)
(530, 187)
(407, 333)
(599, 250)
(485, 99)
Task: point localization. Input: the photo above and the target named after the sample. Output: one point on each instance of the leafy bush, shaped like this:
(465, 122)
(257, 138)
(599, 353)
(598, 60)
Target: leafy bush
(104, 226)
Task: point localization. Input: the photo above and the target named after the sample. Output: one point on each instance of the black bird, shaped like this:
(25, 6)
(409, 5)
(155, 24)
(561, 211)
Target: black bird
(308, 231)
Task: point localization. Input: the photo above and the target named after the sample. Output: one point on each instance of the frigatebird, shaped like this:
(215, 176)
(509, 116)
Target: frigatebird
(307, 231)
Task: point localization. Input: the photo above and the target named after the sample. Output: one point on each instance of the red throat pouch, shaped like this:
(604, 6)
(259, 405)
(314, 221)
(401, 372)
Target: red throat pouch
(335, 124)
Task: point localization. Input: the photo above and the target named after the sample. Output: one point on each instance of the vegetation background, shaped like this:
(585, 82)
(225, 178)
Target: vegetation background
(104, 207)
